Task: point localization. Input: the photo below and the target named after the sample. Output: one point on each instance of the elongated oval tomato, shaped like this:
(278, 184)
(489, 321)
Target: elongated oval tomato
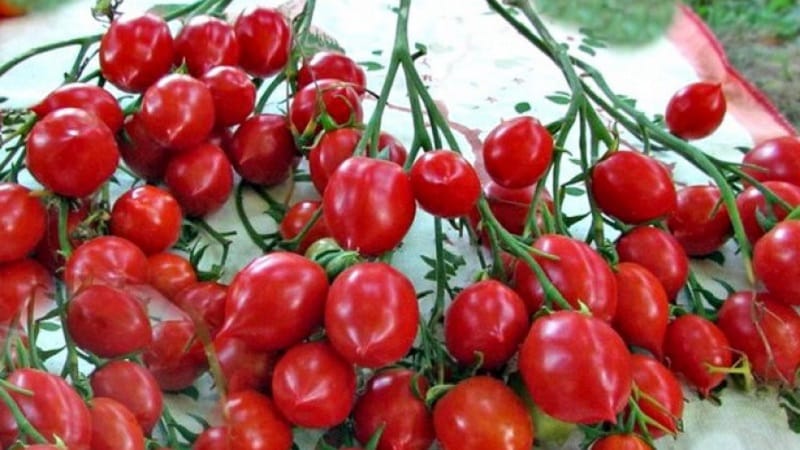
(775, 257)
(660, 253)
(693, 347)
(88, 97)
(642, 308)
(776, 159)
(23, 222)
(658, 394)
(253, 421)
(114, 427)
(133, 386)
(758, 214)
(369, 205)
(696, 110)
(576, 367)
(21, 282)
(700, 221)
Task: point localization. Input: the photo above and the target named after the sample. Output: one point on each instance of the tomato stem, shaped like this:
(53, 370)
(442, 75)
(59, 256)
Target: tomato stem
(22, 422)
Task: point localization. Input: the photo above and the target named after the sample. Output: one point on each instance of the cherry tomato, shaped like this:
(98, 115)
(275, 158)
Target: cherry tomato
(696, 110)
(147, 216)
(371, 314)
(486, 317)
(752, 204)
(776, 159)
(206, 42)
(23, 222)
(332, 149)
(700, 221)
(71, 152)
(693, 346)
(297, 218)
(621, 442)
(22, 281)
(169, 273)
(276, 301)
(233, 92)
(766, 331)
(445, 184)
(204, 302)
(114, 427)
(262, 150)
(335, 98)
(369, 205)
(660, 253)
(255, 423)
(201, 179)
(243, 367)
(392, 399)
(133, 386)
(481, 413)
(395, 149)
(141, 153)
(510, 206)
(49, 252)
(212, 438)
(175, 357)
(107, 260)
(774, 257)
(336, 66)
(633, 187)
(576, 367)
(579, 273)
(518, 152)
(658, 395)
(265, 39)
(136, 51)
(313, 386)
(88, 97)
(178, 111)
(642, 308)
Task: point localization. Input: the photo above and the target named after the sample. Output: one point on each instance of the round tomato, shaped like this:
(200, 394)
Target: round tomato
(23, 222)
(243, 367)
(774, 261)
(206, 42)
(332, 65)
(660, 253)
(88, 97)
(201, 179)
(331, 150)
(204, 302)
(175, 357)
(169, 273)
(265, 39)
(337, 99)
(262, 150)
(141, 153)
(658, 395)
(107, 260)
(178, 111)
(642, 308)
(114, 427)
(517, 152)
(696, 110)
(700, 221)
(254, 423)
(445, 184)
(233, 92)
(133, 386)
(510, 206)
(212, 438)
(693, 347)
(297, 218)
(776, 159)
(149, 217)
(752, 204)
(22, 281)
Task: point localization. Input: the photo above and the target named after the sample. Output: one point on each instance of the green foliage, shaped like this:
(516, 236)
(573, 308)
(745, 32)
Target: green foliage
(777, 18)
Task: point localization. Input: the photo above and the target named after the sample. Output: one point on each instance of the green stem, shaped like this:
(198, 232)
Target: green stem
(262, 101)
(22, 422)
(254, 235)
(82, 41)
(440, 272)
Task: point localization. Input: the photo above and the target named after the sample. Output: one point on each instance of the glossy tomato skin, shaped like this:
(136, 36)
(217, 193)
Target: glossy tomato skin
(696, 110)
(576, 367)
(169, 273)
(175, 356)
(621, 442)
(369, 205)
(332, 149)
(48, 252)
(642, 308)
(254, 423)
(297, 218)
(244, 368)
(337, 66)
(212, 438)
(392, 399)
(136, 51)
(233, 92)
(133, 386)
(71, 152)
(752, 203)
(766, 331)
(22, 281)
(276, 301)
(178, 111)
(660, 253)
(775, 258)
(633, 187)
(518, 152)
(660, 395)
(776, 159)
(486, 317)
(692, 345)
(114, 427)
(481, 413)
(700, 221)
(313, 386)
(149, 217)
(510, 206)
(445, 184)
(264, 37)
(23, 222)
(371, 314)
(204, 302)
(262, 150)
(206, 42)
(579, 273)
(201, 179)
(140, 152)
(337, 99)
(53, 408)
(110, 260)
(88, 97)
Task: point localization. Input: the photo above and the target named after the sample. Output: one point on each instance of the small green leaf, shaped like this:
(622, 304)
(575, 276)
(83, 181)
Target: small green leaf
(311, 43)
(717, 257)
(166, 9)
(574, 191)
(191, 392)
(420, 47)
(371, 65)
(49, 326)
(377, 52)
(522, 107)
(558, 99)
(587, 49)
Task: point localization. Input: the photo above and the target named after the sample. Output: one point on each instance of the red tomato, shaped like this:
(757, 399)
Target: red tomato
(169, 273)
(510, 206)
(243, 367)
(518, 152)
(693, 346)
(141, 153)
(752, 204)
(204, 302)
(335, 98)
(621, 442)
(369, 205)
(206, 42)
(660, 253)
(265, 39)
(107, 260)
(114, 427)
(576, 367)
(313, 386)
(392, 400)
(149, 217)
(71, 152)
(658, 394)
(133, 386)
(480, 413)
(175, 356)
(395, 149)
(201, 179)
(88, 97)
(22, 223)
(486, 317)
(276, 301)
(776, 159)
(633, 187)
(445, 184)
(579, 273)
(774, 261)
(371, 314)
(332, 149)
(51, 406)
(696, 110)
(262, 150)
(255, 423)
(642, 308)
(297, 218)
(48, 252)
(136, 51)
(336, 66)
(233, 92)
(212, 438)
(22, 281)
(700, 221)
(766, 331)
(178, 111)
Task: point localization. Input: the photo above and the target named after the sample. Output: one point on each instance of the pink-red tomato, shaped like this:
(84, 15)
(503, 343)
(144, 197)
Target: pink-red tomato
(297, 218)
(700, 221)
(262, 150)
(265, 39)
(642, 308)
(693, 347)
(254, 422)
(21, 282)
(774, 261)
(133, 386)
(178, 111)
(332, 65)
(206, 42)
(696, 110)
(233, 92)
(201, 179)
(114, 427)
(658, 394)
(660, 253)
(175, 356)
(518, 152)
(776, 159)
(23, 221)
(752, 203)
(445, 184)
(110, 260)
(149, 217)
(337, 99)
(88, 97)
(169, 273)
(141, 153)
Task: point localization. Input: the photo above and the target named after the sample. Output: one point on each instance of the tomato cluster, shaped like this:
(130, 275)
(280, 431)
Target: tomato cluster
(321, 331)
